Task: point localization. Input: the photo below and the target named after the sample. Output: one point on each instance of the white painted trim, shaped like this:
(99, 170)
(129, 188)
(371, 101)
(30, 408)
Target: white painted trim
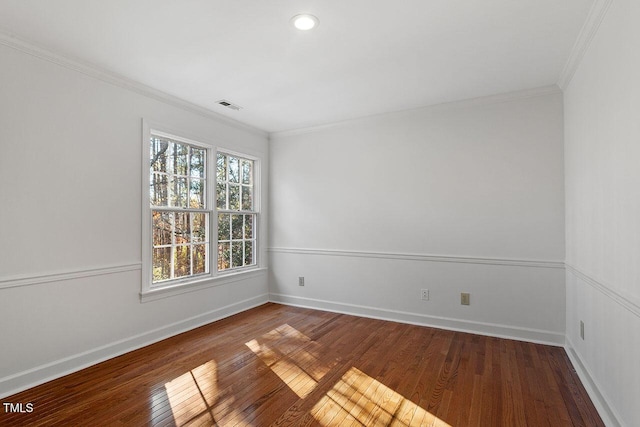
(424, 257)
(587, 33)
(58, 276)
(465, 103)
(606, 412)
(622, 300)
(182, 288)
(481, 328)
(97, 72)
(50, 371)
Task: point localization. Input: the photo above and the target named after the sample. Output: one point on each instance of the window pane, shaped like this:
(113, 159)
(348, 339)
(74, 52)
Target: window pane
(199, 254)
(171, 146)
(236, 226)
(158, 154)
(248, 253)
(180, 159)
(221, 192)
(182, 261)
(234, 169)
(161, 228)
(224, 256)
(179, 194)
(247, 171)
(221, 167)
(234, 197)
(248, 226)
(158, 191)
(200, 226)
(224, 224)
(161, 264)
(247, 198)
(196, 194)
(197, 162)
(237, 256)
(183, 228)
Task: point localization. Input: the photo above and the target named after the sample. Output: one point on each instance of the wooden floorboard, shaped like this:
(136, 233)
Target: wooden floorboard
(285, 366)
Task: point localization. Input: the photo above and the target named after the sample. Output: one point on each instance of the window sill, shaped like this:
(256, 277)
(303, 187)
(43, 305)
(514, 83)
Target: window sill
(196, 285)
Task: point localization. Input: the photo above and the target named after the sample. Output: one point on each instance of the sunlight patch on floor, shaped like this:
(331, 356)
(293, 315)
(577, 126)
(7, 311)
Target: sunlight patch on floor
(358, 398)
(193, 395)
(292, 356)
(298, 380)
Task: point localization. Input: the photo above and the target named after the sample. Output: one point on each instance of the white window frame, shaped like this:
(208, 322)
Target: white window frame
(149, 290)
(255, 211)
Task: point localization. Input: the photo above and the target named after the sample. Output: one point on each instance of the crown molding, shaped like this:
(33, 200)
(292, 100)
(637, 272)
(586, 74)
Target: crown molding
(465, 103)
(97, 72)
(587, 33)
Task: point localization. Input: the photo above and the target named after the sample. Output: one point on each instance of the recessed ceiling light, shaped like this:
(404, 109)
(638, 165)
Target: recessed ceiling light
(305, 22)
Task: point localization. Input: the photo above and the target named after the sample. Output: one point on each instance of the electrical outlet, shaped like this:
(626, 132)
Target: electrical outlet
(465, 298)
(424, 294)
(582, 329)
(301, 281)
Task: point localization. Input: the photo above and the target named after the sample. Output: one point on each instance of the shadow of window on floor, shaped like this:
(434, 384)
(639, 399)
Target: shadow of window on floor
(359, 398)
(195, 397)
(292, 357)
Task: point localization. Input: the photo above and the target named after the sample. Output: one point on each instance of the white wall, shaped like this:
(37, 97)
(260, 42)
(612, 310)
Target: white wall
(466, 197)
(70, 228)
(602, 139)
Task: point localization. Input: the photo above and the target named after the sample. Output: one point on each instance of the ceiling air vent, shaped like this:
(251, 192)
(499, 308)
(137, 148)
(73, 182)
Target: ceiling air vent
(228, 104)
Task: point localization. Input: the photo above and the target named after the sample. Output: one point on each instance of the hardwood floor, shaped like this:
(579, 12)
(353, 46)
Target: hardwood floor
(285, 366)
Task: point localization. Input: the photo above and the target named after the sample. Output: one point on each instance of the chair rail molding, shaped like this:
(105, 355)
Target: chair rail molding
(58, 276)
(422, 257)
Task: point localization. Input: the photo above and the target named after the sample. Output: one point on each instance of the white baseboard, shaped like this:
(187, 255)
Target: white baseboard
(607, 414)
(489, 329)
(41, 374)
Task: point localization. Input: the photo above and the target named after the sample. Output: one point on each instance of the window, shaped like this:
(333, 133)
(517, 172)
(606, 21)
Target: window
(236, 211)
(179, 209)
(200, 213)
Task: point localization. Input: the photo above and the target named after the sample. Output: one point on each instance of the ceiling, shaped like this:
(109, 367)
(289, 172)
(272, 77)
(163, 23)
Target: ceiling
(366, 57)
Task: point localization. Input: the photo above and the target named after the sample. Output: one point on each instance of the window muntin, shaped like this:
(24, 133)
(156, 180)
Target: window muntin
(237, 216)
(179, 215)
